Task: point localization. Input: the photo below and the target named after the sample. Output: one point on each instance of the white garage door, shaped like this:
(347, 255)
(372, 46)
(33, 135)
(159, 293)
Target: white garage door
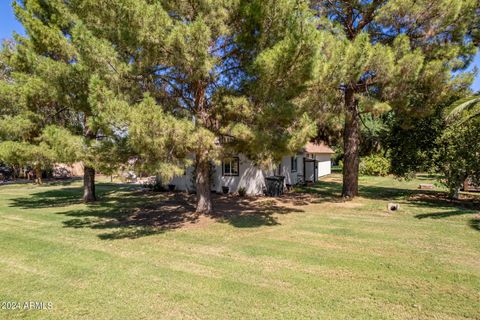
(324, 165)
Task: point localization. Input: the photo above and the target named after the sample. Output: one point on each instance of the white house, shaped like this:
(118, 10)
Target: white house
(312, 162)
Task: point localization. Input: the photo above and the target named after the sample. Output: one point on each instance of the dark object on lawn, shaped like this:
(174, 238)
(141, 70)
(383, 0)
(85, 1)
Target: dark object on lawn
(242, 192)
(289, 187)
(469, 186)
(171, 187)
(158, 188)
(393, 207)
(155, 187)
(274, 186)
(6, 173)
(426, 186)
(225, 190)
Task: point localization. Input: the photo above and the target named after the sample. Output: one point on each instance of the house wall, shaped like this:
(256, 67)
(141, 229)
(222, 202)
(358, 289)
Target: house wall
(285, 169)
(183, 182)
(251, 177)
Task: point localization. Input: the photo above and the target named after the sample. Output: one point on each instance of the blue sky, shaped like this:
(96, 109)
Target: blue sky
(9, 24)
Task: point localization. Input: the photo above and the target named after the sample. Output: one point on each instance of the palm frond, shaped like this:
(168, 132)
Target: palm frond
(456, 112)
(470, 116)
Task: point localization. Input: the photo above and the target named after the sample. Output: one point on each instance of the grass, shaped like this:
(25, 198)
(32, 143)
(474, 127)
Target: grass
(146, 256)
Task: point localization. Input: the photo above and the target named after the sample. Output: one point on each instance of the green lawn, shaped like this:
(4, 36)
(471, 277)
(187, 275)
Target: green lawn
(143, 256)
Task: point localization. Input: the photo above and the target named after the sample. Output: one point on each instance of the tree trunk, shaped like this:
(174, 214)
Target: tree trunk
(14, 173)
(454, 192)
(465, 185)
(89, 184)
(38, 174)
(351, 140)
(204, 196)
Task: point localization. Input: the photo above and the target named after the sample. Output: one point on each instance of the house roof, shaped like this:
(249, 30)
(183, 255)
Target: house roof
(318, 148)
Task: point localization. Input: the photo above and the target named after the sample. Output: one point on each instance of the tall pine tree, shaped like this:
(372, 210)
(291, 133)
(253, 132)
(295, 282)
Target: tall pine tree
(213, 78)
(169, 79)
(50, 74)
(390, 55)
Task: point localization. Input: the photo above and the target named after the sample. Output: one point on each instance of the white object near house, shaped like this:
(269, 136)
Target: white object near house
(311, 163)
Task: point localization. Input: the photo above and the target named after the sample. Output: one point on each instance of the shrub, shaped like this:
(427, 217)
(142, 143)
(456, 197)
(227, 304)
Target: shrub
(242, 192)
(375, 165)
(457, 158)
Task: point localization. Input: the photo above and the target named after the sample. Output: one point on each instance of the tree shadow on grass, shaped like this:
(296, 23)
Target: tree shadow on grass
(452, 208)
(64, 197)
(475, 223)
(126, 213)
(46, 182)
(132, 215)
(61, 182)
(427, 176)
(331, 191)
(158, 213)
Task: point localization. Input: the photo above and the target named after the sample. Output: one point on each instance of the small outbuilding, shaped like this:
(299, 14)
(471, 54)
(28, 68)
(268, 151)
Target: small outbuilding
(321, 156)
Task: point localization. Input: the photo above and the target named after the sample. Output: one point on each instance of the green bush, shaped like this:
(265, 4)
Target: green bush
(375, 165)
(340, 164)
(457, 158)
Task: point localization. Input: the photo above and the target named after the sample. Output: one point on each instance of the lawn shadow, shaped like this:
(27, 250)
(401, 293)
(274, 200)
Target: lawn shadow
(320, 192)
(46, 182)
(427, 176)
(475, 223)
(64, 197)
(61, 182)
(149, 213)
(126, 213)
(123, 211)
(331, 191)
(469, 205)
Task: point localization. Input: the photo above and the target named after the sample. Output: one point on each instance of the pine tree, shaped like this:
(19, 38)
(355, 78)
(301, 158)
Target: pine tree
(207, 78)
(167, 79)
(394, 55)
(50, 71)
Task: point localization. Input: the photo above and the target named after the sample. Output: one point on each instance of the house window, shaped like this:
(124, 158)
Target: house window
(230, 166)
(294, 164)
